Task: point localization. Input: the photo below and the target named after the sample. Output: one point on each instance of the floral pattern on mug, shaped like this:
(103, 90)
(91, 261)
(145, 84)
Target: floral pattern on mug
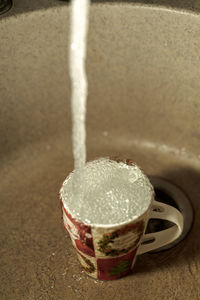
(88, 263)
(111, 243)
(80, 234)
(114, 268)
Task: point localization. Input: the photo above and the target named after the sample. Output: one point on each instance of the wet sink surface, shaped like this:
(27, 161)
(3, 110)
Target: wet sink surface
(143, 104)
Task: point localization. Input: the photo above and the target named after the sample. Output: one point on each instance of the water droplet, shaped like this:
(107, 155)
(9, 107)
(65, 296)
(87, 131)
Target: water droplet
(105, 133)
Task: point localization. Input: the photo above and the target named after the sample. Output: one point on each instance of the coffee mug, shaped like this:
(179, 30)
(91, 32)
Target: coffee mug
(108, 252)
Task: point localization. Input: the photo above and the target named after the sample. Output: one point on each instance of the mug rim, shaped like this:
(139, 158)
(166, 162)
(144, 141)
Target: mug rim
(107, 226)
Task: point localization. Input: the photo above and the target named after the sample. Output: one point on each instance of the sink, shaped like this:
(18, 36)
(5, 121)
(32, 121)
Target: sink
(143, 103)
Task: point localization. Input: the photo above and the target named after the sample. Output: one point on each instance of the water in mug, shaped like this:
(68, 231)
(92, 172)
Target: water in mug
(107, 192)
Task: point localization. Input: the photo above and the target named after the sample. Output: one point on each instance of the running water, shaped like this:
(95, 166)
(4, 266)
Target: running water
(78, 38)
(102, 191)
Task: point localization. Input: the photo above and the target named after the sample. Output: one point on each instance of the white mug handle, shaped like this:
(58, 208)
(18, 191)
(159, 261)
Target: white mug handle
(154, 240)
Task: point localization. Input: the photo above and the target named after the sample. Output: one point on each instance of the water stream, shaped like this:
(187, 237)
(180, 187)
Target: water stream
(77, 56)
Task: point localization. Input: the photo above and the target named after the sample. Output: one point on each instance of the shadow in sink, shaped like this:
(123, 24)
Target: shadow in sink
(186, 253)
(25, 6)
(5, 5)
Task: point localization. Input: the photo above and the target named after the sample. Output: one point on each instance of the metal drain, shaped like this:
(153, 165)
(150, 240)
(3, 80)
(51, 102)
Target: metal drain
(5, 5)
(170, 194)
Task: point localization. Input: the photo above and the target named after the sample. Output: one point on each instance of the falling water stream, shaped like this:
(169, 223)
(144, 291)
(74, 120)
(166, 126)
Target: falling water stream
(77, 57)
(101, 191)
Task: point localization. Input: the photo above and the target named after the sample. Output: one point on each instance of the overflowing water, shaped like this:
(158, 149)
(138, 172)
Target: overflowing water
(107, 192)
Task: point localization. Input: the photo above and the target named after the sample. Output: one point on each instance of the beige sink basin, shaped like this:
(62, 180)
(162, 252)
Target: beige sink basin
(144, 85)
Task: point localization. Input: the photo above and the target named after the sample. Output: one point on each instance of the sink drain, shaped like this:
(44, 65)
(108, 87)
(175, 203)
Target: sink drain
(170, 194)
(5, 5)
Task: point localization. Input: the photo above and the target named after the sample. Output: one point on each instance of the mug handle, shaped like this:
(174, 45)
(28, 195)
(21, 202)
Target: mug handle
(154, 240)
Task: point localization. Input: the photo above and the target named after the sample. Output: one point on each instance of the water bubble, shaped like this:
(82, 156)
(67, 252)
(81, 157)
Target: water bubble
(105, 133)
(109, 192)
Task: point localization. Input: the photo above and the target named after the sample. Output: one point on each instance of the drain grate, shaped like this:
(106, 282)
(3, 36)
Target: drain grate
(5, 5)
(170, 194)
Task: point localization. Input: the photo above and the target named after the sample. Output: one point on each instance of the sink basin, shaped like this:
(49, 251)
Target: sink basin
(143, 103)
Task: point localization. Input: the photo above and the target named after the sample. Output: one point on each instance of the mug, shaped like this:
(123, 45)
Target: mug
(108, 252)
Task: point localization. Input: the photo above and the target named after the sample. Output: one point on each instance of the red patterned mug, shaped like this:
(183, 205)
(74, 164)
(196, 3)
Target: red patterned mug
(109, 252)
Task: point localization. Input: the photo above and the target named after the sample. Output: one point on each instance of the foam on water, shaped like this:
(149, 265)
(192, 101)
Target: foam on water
(106, 192)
